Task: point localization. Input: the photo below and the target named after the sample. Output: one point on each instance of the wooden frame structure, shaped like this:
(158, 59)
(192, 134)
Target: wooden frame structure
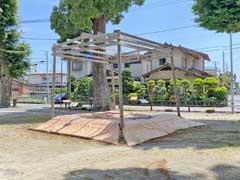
(110, 48)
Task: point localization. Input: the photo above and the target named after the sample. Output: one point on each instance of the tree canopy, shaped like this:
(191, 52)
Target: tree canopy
(72, 17)
(11, 51)
(218, 15)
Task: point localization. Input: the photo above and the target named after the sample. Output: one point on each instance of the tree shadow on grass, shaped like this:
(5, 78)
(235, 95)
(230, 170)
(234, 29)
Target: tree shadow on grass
(215, 134)
(31, 116)
(220, 172)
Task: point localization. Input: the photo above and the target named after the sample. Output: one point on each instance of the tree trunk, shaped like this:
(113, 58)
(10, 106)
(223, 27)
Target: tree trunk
(4, 85)
(101, 99)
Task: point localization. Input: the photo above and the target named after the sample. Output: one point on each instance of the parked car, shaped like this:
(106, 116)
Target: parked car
(60, 97)
(143, 101)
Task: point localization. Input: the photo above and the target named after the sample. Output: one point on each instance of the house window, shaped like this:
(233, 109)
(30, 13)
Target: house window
(127, 65)
(162, 61)
(115, 66)
(184, 63)
(77, 66)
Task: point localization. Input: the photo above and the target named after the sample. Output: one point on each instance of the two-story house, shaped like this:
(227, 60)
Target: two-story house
(189, 64)
(39, 82)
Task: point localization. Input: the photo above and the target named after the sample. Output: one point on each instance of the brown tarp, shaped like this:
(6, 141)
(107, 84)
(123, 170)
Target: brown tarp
(83, 125)
(158, 125)
(105, 126)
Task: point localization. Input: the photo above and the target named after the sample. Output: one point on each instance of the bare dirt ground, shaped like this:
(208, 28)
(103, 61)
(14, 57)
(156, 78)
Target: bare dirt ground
(210, 152)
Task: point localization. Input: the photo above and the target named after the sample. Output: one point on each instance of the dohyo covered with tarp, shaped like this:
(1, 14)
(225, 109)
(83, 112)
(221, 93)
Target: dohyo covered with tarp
(104, 126)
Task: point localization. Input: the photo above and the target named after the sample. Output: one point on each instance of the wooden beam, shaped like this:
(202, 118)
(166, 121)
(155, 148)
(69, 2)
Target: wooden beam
(139, 38)
(133, 46)
(113, 88)
(80, 58)
(85, 48)
(120, 85)
(80, 54)
(137, 42)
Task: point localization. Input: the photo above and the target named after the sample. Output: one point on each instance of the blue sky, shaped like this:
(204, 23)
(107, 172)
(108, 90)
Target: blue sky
(155, 15)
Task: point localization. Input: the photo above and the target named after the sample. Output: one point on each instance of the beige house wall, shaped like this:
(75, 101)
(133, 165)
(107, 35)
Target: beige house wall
(179, 61)
(167, 75)
(40, 79)
(136, 70)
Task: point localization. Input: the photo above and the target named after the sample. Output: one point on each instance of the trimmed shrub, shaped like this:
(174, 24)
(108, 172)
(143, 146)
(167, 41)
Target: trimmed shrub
(220, 93)
(133, 98)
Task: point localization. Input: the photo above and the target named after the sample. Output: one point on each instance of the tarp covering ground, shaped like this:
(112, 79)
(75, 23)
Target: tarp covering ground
(104, 126)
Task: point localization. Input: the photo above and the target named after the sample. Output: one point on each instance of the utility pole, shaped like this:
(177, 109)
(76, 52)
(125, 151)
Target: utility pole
(223, 61)
(232, 75)
(48, 91)
(175, 86)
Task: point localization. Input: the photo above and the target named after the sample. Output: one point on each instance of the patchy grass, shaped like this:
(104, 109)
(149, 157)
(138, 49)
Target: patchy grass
(24, 119)
(210, 152)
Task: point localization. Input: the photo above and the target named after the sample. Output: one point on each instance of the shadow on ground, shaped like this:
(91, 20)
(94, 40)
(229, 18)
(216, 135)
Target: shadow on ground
(220, 172)
(30, 116)
(215, 134)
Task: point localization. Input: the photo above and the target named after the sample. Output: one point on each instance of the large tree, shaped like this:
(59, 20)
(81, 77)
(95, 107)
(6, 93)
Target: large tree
(220, 16)
(72, 17)
(12, 53)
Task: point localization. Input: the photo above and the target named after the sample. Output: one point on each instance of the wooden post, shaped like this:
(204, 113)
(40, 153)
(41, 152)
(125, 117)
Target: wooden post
(53, 83)
(175, 86)
(120, 84)
(113, 89)
(61, 87)
(69, 78)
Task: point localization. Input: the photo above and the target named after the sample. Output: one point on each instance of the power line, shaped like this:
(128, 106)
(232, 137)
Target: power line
(142, 34)
(38, 39)
(167, 30)
(34, 21)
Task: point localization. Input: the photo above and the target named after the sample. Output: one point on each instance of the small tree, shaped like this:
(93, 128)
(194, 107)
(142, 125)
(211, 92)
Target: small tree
(210, 84)
(161, 90)
(142, 92)
(151, 90)
(84, 89)
(171, 88)
(128, 81)
(198, 89)
(220, 93)
(225, 80)
(185, 89)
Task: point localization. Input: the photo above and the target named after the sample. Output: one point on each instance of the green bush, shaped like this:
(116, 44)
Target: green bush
(84, 89)
(171, 87)
(197, 91)
(151, 90)
(133, 98)
(185, 89)
(210, 84)
(161, 90)
(127, 81)
(220, 93)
